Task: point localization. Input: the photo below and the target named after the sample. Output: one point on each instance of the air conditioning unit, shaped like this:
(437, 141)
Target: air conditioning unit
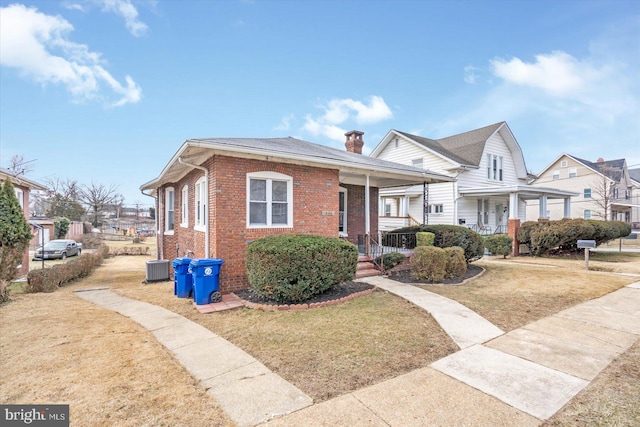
(157, 270)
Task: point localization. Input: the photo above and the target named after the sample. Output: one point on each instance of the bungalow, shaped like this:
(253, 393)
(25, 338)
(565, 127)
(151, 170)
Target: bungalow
(22, 187)
(604, 189)
(217, 195)
(489, 183)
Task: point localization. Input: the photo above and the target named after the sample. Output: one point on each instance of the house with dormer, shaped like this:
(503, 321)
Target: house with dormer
(605, 189)
(490, 184)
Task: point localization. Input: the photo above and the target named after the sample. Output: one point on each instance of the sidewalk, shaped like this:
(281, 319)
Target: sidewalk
(246, 389)
(519, 378)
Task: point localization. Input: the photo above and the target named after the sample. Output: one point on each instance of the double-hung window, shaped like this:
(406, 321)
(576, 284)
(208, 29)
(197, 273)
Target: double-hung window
(494, 167)
(184, 204)
(200, 204)
(19, 196)
(587, 193)
(169, 207)
(269, 200)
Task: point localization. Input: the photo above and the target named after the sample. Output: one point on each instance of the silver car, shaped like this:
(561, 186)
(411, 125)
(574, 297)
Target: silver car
(58, 249)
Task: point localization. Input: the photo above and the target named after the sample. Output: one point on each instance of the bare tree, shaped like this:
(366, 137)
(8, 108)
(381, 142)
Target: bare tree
(63, 199)
(19, 166)
(603, 191)
(97, 198)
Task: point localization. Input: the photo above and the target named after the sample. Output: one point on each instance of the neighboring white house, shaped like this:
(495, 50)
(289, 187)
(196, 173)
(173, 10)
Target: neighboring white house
(491, 183)
(605, 189)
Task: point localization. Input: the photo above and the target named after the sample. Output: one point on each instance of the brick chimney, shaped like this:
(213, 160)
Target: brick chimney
(354, 141)
(600, 160)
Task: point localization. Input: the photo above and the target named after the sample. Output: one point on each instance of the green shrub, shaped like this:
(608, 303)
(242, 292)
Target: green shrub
(541, 237)
(429, 263)
(424, 238)
(293, 268)
(50, 279)
(499, 244)
(390, 260)
(445, 236)
(456, 264)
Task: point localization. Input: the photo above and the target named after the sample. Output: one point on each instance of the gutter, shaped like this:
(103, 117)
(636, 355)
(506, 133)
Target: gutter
(206, 213)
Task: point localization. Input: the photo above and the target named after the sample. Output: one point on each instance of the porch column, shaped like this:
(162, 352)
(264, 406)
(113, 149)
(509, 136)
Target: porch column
(367, 206)
(513, 205)
(567, 207)
(514, 225)
(543, 207)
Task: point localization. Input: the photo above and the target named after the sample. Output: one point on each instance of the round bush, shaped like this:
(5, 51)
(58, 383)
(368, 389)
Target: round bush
(390, 260)
(429, 263)
(292, 268)
(456, 264)
(499, 244)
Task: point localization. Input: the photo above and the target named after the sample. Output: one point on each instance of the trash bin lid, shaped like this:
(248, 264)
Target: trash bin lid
(204, 262)
(181, 261)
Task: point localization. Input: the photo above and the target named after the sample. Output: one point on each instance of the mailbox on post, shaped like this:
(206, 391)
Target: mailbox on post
(586, 245)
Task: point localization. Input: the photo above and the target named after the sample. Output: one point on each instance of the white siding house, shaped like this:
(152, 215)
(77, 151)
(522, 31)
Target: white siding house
(491, 180)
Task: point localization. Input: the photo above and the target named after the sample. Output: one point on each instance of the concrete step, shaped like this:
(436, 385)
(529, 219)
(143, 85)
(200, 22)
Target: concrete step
(366, 268)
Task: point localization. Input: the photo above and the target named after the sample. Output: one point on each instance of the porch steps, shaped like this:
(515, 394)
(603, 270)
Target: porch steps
(366, 268)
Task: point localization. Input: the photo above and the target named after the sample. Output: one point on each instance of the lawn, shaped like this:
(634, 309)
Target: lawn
(112, 371)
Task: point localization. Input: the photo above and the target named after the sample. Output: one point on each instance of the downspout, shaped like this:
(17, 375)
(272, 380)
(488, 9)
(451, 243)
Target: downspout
(156, 206)
(206, 213)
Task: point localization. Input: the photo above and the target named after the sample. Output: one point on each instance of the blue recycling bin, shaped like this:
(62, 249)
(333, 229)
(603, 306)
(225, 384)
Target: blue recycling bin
(206, 280)
(182, 280)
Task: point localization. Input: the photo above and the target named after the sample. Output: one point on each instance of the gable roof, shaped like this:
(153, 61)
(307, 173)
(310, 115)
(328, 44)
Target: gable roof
(612, 169)
(290, 150)
(21, 180)
(634, 174)
(464, 149)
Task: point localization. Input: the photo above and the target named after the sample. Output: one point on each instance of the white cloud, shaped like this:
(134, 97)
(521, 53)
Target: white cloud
(73, 6)
(339, 111)
(557, 73)
(285, 123)
(128, 11)
(38, 45)
(470, 75)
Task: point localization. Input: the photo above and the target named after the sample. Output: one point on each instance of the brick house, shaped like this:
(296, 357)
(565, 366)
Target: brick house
(215, 196)
(22, 187)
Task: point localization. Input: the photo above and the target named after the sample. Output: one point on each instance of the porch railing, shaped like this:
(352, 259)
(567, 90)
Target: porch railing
(386, 243)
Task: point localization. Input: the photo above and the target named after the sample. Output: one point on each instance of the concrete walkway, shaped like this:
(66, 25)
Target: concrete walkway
(464, 326)
(246, 389)
(520, 378)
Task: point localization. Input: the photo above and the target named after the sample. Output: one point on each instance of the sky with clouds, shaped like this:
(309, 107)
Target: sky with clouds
(105, 91)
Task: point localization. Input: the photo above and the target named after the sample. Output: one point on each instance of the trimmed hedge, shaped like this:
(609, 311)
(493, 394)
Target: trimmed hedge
(424, 238)
(445, 236)
(541, 237)
(499, 244)
(429, 263)
(292, 268)
(390, 260)
(50, 279)
(456, 264)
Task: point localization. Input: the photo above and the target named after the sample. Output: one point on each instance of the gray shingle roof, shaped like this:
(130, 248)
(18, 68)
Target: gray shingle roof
(291, 146)
(611, 168)
(464, 148)
(635, 174)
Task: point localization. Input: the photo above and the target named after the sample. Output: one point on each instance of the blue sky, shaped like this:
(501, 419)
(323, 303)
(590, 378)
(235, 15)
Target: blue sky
(105, 91)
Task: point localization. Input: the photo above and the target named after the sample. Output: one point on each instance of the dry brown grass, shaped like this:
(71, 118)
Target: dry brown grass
(519, 291)
(325, 352)
(57, 348)
(612, 399)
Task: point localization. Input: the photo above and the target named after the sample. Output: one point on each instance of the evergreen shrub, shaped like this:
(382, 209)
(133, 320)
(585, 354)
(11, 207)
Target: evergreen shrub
(292, 268)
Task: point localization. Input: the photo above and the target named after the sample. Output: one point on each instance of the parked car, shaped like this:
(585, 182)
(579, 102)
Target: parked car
(58, 249)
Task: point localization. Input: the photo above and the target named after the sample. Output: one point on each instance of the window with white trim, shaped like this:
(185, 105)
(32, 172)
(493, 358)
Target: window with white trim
(200, 204)
(169, 200)
(494, 167)
(19, 196)
(587, 214)
(587, 193)
(435, 209)
(269, 200)
(563, 164)
(184, 203)
(573, 172)
(556, 175)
